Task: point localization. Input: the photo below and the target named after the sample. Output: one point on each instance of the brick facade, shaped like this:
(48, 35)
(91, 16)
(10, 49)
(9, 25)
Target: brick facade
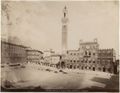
(12, 53)
(90, 57)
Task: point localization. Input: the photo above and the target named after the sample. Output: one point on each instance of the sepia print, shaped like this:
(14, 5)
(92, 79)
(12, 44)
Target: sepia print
(52, 46)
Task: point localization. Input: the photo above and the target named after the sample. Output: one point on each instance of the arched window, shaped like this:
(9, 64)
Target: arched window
(89, 53)
(104, 69)
(70, 66)
(82, 68)
(93, 61)
(93, 68)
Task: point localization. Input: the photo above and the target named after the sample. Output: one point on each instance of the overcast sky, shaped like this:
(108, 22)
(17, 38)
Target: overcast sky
(38, 24)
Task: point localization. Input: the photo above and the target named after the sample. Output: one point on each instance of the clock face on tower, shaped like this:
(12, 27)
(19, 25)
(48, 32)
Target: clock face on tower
(87, 47)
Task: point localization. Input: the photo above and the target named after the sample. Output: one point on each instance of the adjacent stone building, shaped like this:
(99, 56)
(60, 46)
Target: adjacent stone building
(34, 56)
(72, 59)
(52, 60)
(106, 60)
(116, 67)
(48, 52)
(12, 54)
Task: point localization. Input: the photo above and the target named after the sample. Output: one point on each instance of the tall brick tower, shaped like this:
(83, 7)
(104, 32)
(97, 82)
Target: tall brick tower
(64, 30)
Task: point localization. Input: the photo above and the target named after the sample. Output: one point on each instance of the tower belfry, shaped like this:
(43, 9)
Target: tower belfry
(64, 30)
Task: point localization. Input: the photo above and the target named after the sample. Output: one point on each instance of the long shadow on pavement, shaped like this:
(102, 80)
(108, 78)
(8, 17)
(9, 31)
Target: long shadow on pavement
(111, 85)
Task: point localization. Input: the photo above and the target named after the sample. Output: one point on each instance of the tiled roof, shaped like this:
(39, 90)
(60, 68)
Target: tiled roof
(34, 50)
(13, 44)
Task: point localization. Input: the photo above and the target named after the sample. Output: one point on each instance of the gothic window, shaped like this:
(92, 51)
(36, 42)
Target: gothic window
(93, 68)
(82, 67)
(70, 66)
(89, 53)
(104, 69)
(64, 14)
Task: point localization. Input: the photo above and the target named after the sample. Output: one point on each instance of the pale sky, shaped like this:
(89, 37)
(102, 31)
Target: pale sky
(38, 24)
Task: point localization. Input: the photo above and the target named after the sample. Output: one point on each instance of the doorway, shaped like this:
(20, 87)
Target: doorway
(93, 68)
(104, 69)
